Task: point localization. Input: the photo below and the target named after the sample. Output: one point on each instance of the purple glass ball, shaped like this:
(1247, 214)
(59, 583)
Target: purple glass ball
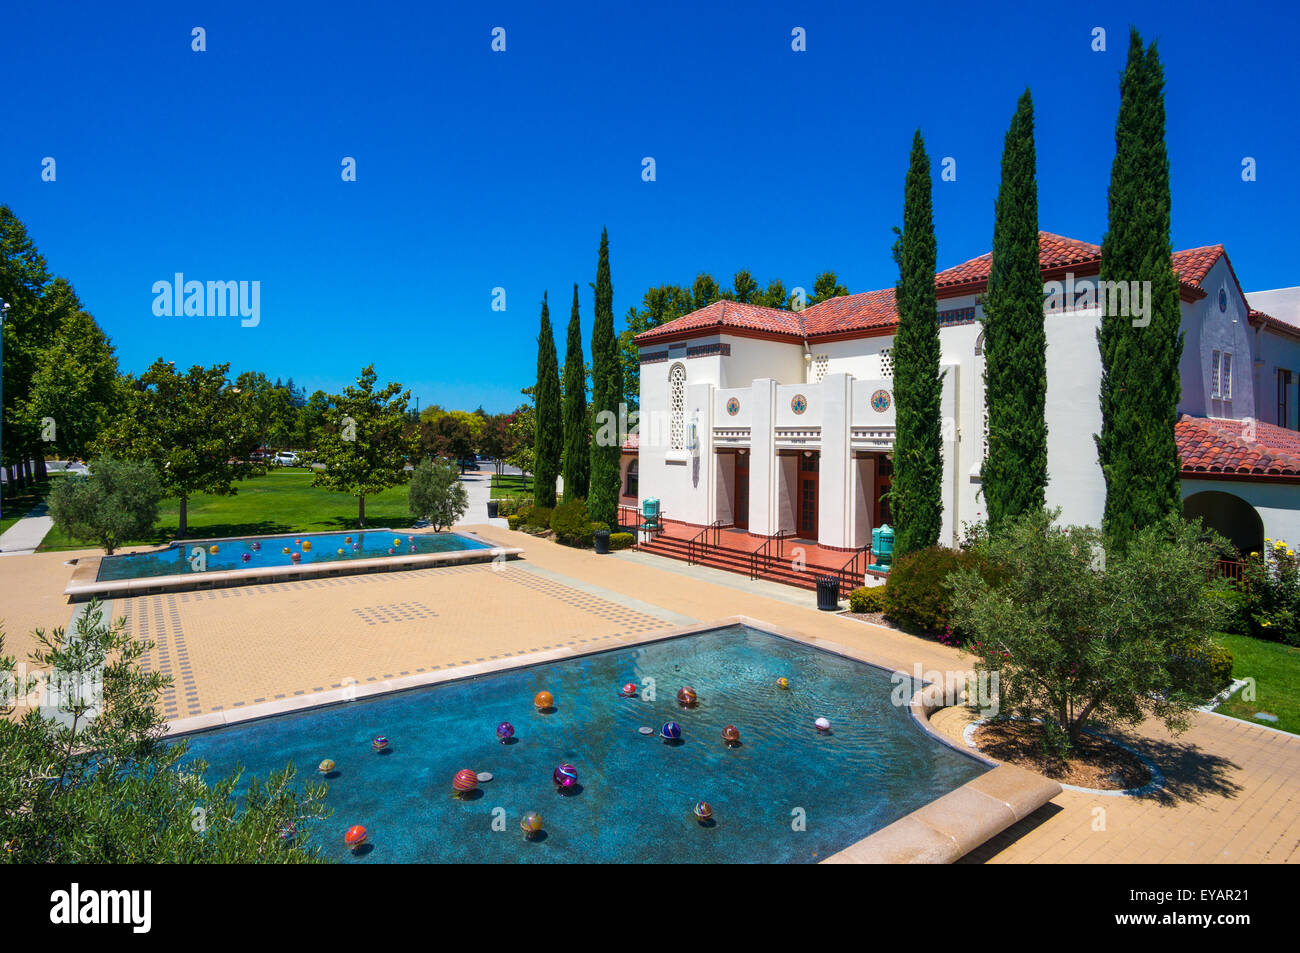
(565, 776)
(505, 731)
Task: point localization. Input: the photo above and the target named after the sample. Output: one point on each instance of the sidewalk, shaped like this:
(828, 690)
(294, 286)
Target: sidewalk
(478, 484)
(25, 535)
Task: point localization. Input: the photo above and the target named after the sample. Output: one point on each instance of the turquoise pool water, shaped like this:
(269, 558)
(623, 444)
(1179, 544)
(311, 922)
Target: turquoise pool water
(637, 792)
(179, 558)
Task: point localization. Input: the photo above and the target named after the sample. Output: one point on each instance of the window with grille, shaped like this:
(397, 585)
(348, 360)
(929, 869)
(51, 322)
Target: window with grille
(1214, 373)
(677, 407)
(821, 363)
(1225, 377)
(887, 362)
(1283, 393)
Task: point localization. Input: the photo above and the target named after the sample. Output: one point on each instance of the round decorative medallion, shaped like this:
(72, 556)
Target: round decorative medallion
(1223, 299)
(880, 401)
(733, 406)
(799, 404)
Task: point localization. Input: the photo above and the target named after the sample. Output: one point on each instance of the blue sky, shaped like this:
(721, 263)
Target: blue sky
(478, 169)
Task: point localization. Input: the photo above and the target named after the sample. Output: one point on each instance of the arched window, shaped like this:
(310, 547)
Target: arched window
(677, 407)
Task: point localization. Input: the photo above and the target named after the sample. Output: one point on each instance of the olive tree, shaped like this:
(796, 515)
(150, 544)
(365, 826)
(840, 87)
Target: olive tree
(436, 493)
(116, 503)
(1080, 634)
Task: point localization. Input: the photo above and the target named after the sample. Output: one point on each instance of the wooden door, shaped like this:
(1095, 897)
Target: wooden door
(740, 502)
(808, 479)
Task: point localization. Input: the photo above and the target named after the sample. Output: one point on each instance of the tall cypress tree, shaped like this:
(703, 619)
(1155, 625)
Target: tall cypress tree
(915, 496)
(606, 393)
(548, 440)
(1140, 385)
(577, 455)
(1015, 340)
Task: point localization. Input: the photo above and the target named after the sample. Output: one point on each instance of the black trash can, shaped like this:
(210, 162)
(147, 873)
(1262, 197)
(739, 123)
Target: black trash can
(492, 509)
(602, 542)
(828, 593)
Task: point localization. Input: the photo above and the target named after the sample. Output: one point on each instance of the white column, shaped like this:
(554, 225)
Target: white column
(763, 482)
(834, 504)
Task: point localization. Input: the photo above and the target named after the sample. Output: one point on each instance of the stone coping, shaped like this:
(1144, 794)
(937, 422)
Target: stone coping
(939, 832)
(84, 585)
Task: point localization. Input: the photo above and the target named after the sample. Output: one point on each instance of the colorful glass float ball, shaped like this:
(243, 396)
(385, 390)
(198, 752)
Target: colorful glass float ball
(380, 743)
(347, 539)
(297, 542)
(390, 550)
(285, 550)
(628, 690)
(295, 557)
(413, 547)
(822, 724)
(246, 557)
(306, 547)
(565, 776)
(703, 811)
(214, 550)
(731, 735)
(326, 766)
(686, 697)
(356, 547)
(671, 731)
(464, 781)
(340, 550)
(543, 701)
(397, 541)
(410, 539)
(530, 824)
(505, 731)
(783, 682)
(256, 547)
(355, 837)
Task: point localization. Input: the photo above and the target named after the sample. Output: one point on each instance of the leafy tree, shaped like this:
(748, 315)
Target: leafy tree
(704, 291)
(100, 785)
(521, 436)
(745, 288)
(366, 445)
(74, 383)
(548, 442)
(1140, 382)
(28, 326)
(310, 419)
(577, 443)
(1015, 340)
(606, 395)
(825, 287)
(775, 296)
(116, 503)
(495, 440)
(195, 428)
(1078, 633)
(659, 305)
(918, 383)
(437, 494)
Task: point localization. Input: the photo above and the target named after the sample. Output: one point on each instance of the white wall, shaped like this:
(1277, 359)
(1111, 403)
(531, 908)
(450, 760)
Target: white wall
(1278, 504)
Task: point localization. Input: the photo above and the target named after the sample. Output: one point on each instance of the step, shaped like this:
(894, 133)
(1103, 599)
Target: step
(737, 561)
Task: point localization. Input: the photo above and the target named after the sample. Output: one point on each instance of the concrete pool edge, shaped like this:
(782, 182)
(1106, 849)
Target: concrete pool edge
(84, 585)
(941, 831)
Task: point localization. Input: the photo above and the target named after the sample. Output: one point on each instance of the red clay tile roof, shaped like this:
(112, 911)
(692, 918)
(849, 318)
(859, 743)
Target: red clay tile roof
(1286, 327)
(875, 309)
(1236, 446)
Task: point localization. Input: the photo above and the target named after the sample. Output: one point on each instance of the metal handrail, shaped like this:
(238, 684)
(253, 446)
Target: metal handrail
(702, 539)
(850, 573)
(764, 554)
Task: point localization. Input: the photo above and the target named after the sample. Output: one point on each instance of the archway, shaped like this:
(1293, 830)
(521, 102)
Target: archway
(1230, 516)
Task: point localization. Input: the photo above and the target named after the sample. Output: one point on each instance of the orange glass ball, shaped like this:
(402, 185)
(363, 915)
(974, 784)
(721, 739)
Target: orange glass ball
(731, 735)
(543, 701)
(686, 697)
(464, 781)
(355, 837)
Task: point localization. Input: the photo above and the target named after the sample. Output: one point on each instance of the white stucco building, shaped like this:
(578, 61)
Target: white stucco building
(760, 420)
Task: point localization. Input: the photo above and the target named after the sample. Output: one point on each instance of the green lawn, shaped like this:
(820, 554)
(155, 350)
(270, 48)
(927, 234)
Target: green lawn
(511, 485)
(1276, 670)
(282, 501)
(17, 506)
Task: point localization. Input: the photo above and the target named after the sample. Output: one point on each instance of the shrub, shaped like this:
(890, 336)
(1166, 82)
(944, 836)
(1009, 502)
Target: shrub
(1074, 637)
(919, 594)
(1199, 669)
(1235, 609)
(1271, 584)
(436, 493)
(621, 540)
(867, 599)
(515, 521)
(538, 518)
(116, 503)
(572, 524)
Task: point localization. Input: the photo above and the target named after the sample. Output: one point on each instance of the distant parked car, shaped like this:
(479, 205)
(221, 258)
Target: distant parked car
(468, 463)
(286, 458)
